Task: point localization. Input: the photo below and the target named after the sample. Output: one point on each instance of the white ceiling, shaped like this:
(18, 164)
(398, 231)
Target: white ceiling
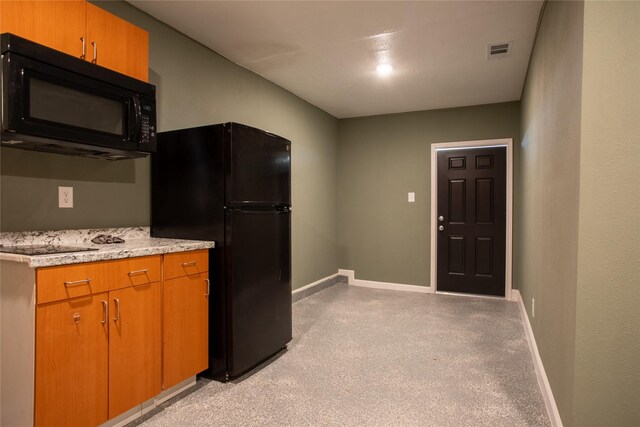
(326, 52)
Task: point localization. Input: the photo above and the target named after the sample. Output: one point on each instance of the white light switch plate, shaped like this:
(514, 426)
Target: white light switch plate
(412, 197)
(65, 197)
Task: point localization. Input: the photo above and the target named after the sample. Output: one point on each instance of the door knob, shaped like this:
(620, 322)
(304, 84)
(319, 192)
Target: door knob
(441, 228)
(440, 218)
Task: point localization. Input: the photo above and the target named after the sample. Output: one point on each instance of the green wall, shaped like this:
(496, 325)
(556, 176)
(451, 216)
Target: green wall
(546, 246)
(382, 158)
(607, 378)
(195, 87)
(578, 222)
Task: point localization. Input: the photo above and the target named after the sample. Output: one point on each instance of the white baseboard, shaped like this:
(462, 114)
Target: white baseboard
(139, 410)
(384, 285)
(316, 283)
(350, 275)
(543, 381)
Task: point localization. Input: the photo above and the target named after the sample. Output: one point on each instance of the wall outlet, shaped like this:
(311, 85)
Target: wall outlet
(412, 197)
(533, 307)
(65, 197)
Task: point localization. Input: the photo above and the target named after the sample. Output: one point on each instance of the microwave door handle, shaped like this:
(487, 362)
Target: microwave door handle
(137, 122)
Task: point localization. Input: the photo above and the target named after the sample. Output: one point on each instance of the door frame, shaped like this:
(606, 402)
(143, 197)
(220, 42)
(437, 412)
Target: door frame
(504, 142)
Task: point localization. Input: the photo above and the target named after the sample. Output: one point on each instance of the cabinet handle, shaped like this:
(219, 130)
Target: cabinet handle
(189, 264)
(116, 301)
(84, 48)
(143, 271)
(105, 311)
(208, 287)
(78, 282)
(95, 52)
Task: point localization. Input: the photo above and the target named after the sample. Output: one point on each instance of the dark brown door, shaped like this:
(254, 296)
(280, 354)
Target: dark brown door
(471, 220)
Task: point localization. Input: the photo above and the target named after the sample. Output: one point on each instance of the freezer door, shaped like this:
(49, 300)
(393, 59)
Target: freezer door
(258, 167)
(259, 285)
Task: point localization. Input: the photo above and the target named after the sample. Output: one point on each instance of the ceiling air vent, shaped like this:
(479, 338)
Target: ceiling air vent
(498, 50)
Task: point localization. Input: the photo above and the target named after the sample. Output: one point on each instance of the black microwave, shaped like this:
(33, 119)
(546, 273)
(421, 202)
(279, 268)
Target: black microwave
(57, 103)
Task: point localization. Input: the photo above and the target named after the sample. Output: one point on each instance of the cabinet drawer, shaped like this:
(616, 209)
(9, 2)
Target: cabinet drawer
(70, 281)
(181, 264)
(134, 271)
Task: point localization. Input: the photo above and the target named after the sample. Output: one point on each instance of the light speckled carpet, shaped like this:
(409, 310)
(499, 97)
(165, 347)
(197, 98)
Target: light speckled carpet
(375, 357)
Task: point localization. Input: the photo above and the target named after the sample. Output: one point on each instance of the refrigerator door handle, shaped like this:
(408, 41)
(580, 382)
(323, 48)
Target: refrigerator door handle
(260, 212)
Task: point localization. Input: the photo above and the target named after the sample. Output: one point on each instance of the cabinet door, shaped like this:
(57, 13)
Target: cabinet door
(120, 46)
(56, 24)
(134, 346)
(71, 362)
(186, 328)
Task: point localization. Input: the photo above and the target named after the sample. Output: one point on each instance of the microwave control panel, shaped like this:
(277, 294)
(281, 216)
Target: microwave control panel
(145, 130)
(147, 140)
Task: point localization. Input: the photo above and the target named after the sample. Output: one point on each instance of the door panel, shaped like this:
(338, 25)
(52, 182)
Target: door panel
(484, 256)
(472, 204)
(456, 255)
(457, 201)
(484, 201)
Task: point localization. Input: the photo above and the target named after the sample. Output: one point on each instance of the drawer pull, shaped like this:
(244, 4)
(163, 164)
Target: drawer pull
(105, 312)
(189, 264)
(208, 287)
(78, 282)
(144, 271)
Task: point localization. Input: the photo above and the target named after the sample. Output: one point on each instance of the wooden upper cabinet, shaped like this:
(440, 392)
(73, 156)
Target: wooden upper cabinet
(56, 24)
(110, 42)
(119, 45)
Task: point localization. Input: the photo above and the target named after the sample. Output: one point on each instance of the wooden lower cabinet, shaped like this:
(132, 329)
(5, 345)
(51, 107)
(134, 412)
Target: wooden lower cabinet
(134, 346)
(98, 355)
(71, 372)
(185, 332)
(111, 335)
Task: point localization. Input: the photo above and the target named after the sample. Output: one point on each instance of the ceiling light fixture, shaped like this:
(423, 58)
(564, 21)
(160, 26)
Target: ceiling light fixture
(384, 69)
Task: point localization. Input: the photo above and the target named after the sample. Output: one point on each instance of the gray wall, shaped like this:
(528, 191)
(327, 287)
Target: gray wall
(546, 247)
(382, 158)
(195, 87)
(607, 378)
(578, 222)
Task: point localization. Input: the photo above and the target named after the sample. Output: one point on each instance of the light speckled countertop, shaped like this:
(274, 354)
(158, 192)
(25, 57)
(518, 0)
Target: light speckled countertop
(137, 243)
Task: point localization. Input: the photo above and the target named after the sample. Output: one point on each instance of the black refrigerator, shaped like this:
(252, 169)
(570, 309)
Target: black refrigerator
(231, 183)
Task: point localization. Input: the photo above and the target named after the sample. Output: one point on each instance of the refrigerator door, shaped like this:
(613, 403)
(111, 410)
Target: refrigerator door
(259, 284)
(258, 168)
